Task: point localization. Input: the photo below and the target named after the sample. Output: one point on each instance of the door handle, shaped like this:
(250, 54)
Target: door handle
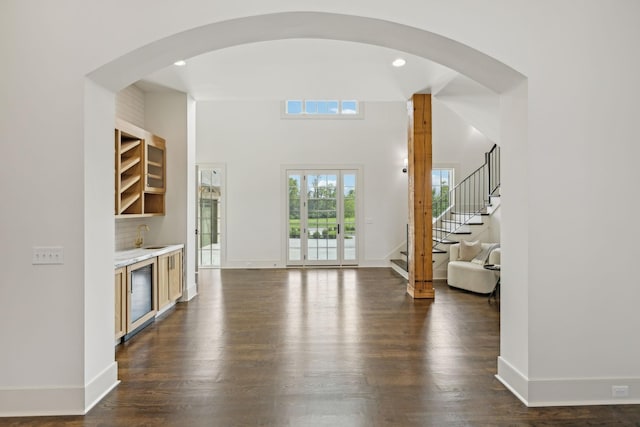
(338, 228)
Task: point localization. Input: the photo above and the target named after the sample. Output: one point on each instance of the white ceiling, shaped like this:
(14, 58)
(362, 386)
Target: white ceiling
(301, 68)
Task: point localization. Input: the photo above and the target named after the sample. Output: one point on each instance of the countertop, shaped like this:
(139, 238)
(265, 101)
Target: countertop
(131, 256)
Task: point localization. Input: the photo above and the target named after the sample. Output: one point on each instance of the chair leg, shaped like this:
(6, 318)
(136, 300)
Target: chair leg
(494, 292)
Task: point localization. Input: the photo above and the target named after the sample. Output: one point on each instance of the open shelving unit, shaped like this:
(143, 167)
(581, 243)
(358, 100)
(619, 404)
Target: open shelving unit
(140, 171)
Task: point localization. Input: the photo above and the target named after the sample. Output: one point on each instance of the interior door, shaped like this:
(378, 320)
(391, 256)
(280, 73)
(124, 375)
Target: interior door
(322, 220)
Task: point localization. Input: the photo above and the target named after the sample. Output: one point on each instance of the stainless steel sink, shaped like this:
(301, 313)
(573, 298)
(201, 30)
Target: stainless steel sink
(156, 247)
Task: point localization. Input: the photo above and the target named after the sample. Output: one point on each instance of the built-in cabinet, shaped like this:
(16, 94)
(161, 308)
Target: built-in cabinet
(140, 171)
(169, 278)
(121, 301)
(144, 288)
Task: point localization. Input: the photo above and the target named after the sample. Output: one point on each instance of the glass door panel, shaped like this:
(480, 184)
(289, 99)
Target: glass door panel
(322, 217)
(209, 217)
(349, 211)
(294, 226)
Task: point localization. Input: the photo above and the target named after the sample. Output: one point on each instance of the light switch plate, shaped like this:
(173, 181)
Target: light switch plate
(48, 255)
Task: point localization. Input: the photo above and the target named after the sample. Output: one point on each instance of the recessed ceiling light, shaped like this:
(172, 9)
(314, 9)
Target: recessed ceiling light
(180, 63)
(399, 62)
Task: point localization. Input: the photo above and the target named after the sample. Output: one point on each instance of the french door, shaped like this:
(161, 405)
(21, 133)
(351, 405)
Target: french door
(322, 217)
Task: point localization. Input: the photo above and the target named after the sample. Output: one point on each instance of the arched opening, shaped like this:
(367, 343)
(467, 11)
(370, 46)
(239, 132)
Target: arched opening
(509, 83)
(291, 25)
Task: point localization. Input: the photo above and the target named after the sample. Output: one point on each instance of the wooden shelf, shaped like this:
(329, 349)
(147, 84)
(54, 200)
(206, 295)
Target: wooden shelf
(139, 172)
(128, 182)
(129, 163)
(129, 200)
(129, 145)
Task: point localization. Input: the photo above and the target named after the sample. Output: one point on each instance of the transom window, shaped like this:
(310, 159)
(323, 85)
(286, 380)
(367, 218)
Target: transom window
(314, 108)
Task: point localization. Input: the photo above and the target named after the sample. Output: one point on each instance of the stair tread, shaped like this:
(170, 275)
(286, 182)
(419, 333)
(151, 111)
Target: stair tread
(445, 241)
(444, 230)
(451, 221)
(401, 263)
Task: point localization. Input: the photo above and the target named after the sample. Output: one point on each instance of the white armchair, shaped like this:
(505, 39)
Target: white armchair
(471, 275)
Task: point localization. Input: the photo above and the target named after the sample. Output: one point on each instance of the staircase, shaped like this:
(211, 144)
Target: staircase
(461, 212)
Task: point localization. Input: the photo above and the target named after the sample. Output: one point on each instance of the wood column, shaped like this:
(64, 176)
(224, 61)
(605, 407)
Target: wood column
(420, 201)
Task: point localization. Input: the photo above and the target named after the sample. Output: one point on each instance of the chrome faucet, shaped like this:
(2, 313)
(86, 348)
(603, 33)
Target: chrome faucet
(140, 236)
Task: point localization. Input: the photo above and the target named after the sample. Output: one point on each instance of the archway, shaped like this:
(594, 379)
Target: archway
(319, 25)
(502, 79)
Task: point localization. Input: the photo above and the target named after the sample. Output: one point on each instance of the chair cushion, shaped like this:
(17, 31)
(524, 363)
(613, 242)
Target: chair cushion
(469, 250)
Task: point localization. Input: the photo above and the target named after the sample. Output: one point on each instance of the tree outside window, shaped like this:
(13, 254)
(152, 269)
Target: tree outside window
(441, 181)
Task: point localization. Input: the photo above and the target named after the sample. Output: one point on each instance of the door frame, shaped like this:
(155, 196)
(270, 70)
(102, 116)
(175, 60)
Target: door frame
(284, 195)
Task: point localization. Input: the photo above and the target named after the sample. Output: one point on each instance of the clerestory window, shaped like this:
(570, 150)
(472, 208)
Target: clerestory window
(322, 108)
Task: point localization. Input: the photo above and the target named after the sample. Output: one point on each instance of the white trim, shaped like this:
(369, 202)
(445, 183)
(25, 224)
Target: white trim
(566, 391)
(100, 386)
(41, 401)
(513, 380)
(371, 263)
(33, 402)
(190, 292)
(255, 264)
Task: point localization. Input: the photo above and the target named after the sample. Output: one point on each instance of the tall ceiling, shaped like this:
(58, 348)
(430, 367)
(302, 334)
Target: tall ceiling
(301, 68)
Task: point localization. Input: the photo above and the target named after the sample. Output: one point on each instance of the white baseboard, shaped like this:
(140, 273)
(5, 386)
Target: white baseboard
(100, 386)
(55, 401)
(375, 263)
(190, 292)
(566, 391)
(37, 402)
(261, 264)
(513, 380)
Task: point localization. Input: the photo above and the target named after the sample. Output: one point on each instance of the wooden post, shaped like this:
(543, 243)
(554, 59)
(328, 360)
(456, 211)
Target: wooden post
(420, 200)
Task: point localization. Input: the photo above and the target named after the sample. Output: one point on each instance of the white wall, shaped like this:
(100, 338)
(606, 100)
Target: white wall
(170, 114)
(569, 310)
(582, 122)
(254, 142)
(100, 368)
(479, 106)
(130, 105)
(456, 143)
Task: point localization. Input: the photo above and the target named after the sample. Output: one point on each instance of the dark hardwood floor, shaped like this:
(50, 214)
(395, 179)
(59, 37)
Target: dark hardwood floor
(326, 347)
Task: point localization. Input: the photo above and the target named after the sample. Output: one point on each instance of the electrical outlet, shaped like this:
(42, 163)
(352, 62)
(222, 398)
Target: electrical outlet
(620, 391)
(48, 255)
